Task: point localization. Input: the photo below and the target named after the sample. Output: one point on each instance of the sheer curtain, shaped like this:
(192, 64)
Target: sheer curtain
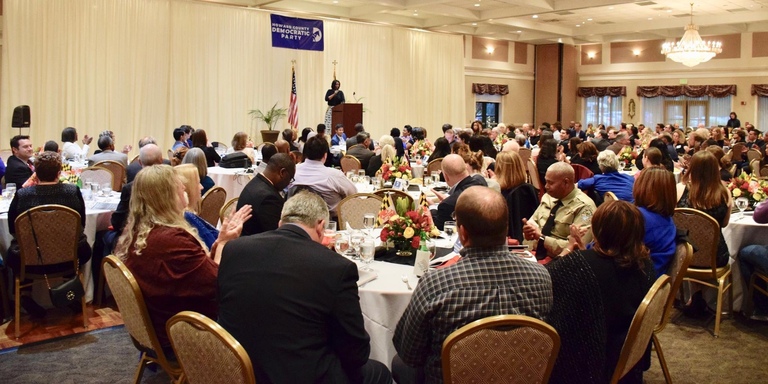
(142, 67)
(602, 110)
(762, 112)
(653, 111)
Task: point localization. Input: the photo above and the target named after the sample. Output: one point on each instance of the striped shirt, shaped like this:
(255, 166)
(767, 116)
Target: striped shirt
(485, 282)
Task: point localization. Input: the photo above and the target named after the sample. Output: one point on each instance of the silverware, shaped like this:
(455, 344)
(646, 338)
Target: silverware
(407, 283)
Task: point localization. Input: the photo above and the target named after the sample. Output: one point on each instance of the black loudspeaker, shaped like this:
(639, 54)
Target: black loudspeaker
(21, 117)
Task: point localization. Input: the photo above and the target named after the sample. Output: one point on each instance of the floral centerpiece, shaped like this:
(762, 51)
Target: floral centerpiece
(626, 157)
(68, 175)
(398, 169)
(501, 139)
(406, 229)
(749, 186)
(421, 149)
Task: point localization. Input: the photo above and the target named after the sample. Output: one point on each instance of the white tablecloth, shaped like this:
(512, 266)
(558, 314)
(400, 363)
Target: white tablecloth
(738, 234)
(95, 220)
(635, 170)
(233, 180)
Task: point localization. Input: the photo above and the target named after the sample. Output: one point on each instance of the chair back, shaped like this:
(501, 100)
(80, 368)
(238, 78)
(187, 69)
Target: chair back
(522, 202)
(703, 234)
(609, 196)
(352, 208)
(170, 155)
(207, 352)
(350, 163)
(435, 165)
(97, 175)
(676, 272)
(57, 229)
(211, 203)
(533, 176)
(581, 172)
(737, 152)
(754, 154)
(525, 154)
(134, 160)
(647, 318)
(500, 349)
(764, 171)
(754, 166)
(118, 173)
(130, 303)
(5, 154)
(733, 169)
(228, 208)
(396, 193)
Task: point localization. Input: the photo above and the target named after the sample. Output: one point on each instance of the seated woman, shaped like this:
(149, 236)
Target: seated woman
(240, 143)
(522, 198)
(381, 156)
(725, 173)
(651, 157)
(596, 293)
(442, 149)
(178, 155)
(666, 159)
(587, 157)
(611, 179)
(474, 162)
(192, 187)
(48, 190)
(655, 197)
(200, 140)
(172, 266)
(196, 157)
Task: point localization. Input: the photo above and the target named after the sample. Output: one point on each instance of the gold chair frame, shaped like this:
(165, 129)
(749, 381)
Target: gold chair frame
(228, 207)
(360, 199)
(382, 193)
(211, 204)
(118, 173)
(350, 163)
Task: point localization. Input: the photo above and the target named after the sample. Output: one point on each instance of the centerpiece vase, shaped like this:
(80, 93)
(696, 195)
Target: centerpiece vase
(403, 247)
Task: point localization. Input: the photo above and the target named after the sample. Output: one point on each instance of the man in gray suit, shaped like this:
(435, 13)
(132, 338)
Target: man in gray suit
(107, 147)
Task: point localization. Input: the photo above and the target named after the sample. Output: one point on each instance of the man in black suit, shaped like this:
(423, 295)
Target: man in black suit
(293, 303)
(755, 142)
(263, 194)
(360, 150)
(458, 178)
(19, 167)
(134, 167)
(601, 141)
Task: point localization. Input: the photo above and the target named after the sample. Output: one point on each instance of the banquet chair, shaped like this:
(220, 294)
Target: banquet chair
(170, 155)
(118, 173)
(211, 204)
(206, 352)
(96, 175)
(704, 234)
(352, 208)
(754, 287)
(5, 154)
(135, 159)
(435, 165)
(581, 172)
(754, 154)
(646, 319)
(609, 196)
(350, 163)
(533, 176)
(754, 166)
(130, 303)
(733, 170)
(677, 267)
(228, 208)
(57, 229)
(525, 154)
(764, 171)
(501, 349)
(396, 194)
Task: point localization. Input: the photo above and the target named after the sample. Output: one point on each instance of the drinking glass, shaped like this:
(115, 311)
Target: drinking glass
(450, 228)
(342, 245)
(360, 173)
(369, 221)
(435, 177)
(432, 247)
(742, 203)
(9, 191)
(330, 231)
(106, 189)
(355, 239)
(352, 176)
(367, 250)
(94, 188)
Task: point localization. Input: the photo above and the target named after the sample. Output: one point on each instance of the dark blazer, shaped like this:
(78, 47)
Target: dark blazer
(120, 215)
(447, 206)
(266, 202)
(361, 153)
(133, 169)
(601, 144)
(17, 172)
(293, 304)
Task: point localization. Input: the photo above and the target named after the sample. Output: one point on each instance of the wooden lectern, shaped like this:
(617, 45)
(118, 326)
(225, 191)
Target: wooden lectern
(347, 114)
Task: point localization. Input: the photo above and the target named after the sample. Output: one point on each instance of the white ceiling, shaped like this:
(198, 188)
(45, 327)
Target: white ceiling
(539, 21)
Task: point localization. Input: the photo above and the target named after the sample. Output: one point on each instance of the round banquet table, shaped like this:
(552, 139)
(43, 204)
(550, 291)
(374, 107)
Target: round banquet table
(233, 180)
(738, 234)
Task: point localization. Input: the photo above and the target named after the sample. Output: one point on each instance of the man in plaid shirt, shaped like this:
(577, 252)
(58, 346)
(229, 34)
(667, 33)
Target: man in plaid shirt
(487, 281)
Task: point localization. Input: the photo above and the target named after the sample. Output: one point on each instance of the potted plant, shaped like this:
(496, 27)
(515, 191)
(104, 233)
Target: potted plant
(270, 117)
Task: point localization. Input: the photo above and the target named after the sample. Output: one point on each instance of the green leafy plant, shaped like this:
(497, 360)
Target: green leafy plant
(270, 117)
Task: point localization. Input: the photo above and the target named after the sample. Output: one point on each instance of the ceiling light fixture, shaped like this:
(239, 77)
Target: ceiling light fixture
(535, 16)
(691, 50)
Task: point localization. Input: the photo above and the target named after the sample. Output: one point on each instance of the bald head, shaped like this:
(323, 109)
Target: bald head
(150, 154)
(562, 169)
(282, 146)
(511, 146)
(454, 169)
(482, 217)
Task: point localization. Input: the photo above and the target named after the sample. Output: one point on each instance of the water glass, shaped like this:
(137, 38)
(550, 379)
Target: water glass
(330, 230)
(435, 177)
(450, 228)
(94, 188)
(367, 250)
(341, 245)
(106, 189)
(360, 173)
(355, 240)
(369, 221)
(742, 203)
(9, 191)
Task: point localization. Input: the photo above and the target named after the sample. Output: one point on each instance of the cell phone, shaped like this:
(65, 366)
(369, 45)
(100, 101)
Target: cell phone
(413, 188)
(440, 189)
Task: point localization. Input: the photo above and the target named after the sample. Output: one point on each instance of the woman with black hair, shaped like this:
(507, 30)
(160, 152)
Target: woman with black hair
(442, 149)
(666, 159)
(333, 97)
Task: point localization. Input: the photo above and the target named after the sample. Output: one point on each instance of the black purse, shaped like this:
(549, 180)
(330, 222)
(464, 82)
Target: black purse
(66, 293)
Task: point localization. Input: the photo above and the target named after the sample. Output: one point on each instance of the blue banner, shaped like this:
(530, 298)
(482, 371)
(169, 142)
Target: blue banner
(295, 33)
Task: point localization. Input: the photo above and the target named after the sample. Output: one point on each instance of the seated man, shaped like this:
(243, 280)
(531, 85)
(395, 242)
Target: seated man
(267, 151)
(457, 177)
(360, 150)
(20, 167)
(107, 147)
(293, 303)
(181, 139)
(263, 194)
(612, 180)
(487, 281)
(621, 141)
(340, 137)
(134, 167)
(548, 229)
(329, 183)
(754, 258)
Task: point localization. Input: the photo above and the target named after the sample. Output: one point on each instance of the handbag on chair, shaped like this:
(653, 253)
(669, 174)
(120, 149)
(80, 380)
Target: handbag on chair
(66, 293)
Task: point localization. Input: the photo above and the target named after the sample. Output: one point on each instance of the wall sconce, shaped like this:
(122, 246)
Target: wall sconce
(636, 52)
(591, 55)
(489, 49)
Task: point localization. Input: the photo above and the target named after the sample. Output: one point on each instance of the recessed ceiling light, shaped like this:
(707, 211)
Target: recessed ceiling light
(650, 18)
(474, 24)
(589, 19)
(518, 31)
(335, 1)
(669, 11)
(578, 25)
(610, 7)
(477, 4)
(535, 16)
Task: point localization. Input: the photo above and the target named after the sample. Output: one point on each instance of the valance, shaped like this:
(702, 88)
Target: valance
(490, 89)
(601, 91)
(760, 90)
(687, 90)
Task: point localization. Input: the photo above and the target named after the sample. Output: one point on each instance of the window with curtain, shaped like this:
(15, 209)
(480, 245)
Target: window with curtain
(686, 111)
(762, 112)
(602, 110)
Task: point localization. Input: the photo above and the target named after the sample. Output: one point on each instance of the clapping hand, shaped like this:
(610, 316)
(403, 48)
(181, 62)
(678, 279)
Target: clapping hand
(575, 237)
(87, 139)
(530, 230)
(233, 225)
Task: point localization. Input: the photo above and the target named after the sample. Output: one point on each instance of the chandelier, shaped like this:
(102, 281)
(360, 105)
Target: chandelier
(691, 50)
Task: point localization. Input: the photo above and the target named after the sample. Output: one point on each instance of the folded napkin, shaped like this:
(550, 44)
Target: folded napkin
(365, 277)
(445, 261)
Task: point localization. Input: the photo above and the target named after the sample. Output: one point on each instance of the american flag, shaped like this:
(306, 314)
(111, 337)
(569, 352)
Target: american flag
(293, 107)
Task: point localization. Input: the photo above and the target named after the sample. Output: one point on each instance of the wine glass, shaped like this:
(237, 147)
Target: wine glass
(450, 228)
(342, 245)
(742, 203)
(355, 239)
(369, 221)
(435, 177)
(367, 249)
(106, 189)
